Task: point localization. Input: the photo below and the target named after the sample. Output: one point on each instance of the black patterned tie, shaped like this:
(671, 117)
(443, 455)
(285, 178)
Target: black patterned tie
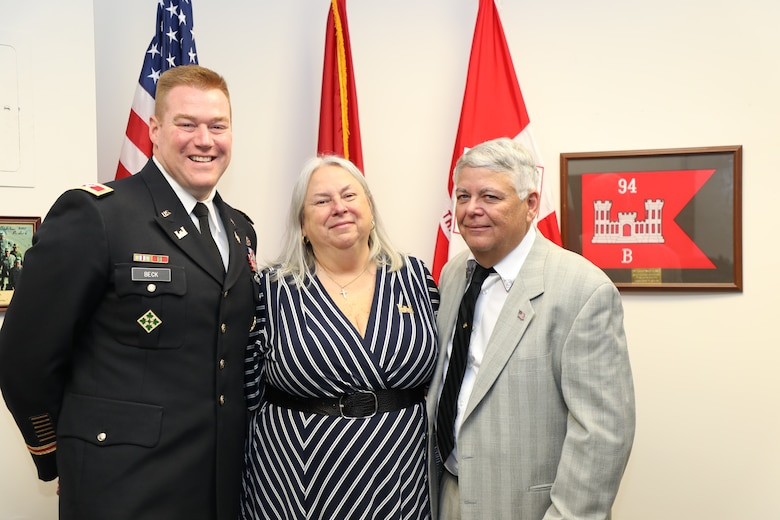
(445, 419)
(202, 212)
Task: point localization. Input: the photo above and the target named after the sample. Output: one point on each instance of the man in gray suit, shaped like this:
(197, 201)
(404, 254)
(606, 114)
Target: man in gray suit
(543, 419)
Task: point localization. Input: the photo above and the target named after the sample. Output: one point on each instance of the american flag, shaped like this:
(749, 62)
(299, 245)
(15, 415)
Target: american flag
(173, 44)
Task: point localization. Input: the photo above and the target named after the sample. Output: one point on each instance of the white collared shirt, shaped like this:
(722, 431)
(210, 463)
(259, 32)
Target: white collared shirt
(188, 201)
(486, 311)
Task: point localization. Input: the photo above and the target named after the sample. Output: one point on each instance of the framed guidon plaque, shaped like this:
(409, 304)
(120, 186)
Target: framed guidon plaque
(667, 219)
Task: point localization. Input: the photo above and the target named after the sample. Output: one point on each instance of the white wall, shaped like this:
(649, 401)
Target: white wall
(596, 76)
(57, 69)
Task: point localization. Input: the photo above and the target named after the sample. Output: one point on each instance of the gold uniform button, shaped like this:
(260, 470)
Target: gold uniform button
(151, 287)
(221, 364)
(225, 294)
(223, 328)
(221, 400)
(101, 436)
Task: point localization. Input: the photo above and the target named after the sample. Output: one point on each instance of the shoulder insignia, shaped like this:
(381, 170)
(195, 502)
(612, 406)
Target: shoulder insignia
(245, 216)
(98, 190)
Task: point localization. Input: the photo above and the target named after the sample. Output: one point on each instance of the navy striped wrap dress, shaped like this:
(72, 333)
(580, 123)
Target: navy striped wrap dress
(302, 465)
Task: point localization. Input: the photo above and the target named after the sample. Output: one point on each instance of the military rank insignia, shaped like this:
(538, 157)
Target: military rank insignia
(98, 190)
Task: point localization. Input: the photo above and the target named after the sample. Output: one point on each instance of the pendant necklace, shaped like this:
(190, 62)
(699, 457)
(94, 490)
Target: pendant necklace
(343, 288)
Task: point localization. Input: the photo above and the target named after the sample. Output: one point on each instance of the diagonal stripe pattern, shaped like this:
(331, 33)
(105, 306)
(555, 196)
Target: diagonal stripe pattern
(445, 418)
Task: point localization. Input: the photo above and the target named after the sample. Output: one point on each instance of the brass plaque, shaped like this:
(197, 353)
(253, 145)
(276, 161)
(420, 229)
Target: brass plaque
(646, 275)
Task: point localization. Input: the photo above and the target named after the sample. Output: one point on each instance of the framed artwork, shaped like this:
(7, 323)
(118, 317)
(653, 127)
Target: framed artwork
(16, 234)
(666, 219)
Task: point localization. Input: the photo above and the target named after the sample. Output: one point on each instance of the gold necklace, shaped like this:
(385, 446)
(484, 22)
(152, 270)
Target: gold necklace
(343, 288)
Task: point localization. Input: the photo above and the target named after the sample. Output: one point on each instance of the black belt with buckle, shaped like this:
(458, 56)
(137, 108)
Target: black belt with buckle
(363, 403)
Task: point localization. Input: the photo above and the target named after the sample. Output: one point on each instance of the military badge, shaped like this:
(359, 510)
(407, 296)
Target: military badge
(252, 259)
(149, 321)
(98, 190)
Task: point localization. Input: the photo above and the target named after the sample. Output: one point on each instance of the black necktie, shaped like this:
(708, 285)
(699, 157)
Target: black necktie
(202, 212)
(445, 420)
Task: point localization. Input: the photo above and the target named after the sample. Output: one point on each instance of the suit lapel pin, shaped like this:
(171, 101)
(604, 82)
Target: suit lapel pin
(165, 213)
(405, 309)
(180, 233)
(521, 315)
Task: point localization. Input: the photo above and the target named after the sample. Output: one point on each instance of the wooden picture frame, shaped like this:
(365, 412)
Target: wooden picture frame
(668, 219)
(16, 234)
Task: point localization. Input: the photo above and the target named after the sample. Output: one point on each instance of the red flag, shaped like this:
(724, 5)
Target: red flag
(637, 227)
(493, 107)
(172, 44)
(339, 123)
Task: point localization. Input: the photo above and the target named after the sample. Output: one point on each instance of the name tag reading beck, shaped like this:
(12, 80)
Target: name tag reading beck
(147, 274)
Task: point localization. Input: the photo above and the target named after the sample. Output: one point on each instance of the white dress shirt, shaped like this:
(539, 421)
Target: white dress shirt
(489, 304)
(215, 223)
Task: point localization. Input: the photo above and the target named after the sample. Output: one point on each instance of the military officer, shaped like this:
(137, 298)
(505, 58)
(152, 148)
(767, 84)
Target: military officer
(123, 365)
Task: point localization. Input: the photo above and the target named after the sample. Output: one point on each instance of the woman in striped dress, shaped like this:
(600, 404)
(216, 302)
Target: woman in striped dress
(341, 356)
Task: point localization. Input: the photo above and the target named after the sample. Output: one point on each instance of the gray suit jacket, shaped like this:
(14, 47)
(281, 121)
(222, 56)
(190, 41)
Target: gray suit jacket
(549, 426)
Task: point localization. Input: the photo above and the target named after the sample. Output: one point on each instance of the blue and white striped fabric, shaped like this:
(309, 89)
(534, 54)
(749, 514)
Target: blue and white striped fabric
(302, 466)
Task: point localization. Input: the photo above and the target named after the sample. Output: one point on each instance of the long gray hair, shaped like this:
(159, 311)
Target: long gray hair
(297, 258)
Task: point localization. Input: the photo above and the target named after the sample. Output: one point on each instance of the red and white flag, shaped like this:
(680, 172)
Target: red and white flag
(339, 122)
(493, 107)
(173, 44)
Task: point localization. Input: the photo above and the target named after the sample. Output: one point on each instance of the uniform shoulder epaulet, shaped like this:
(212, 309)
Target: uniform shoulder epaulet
(98, 190)
(245, 216)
